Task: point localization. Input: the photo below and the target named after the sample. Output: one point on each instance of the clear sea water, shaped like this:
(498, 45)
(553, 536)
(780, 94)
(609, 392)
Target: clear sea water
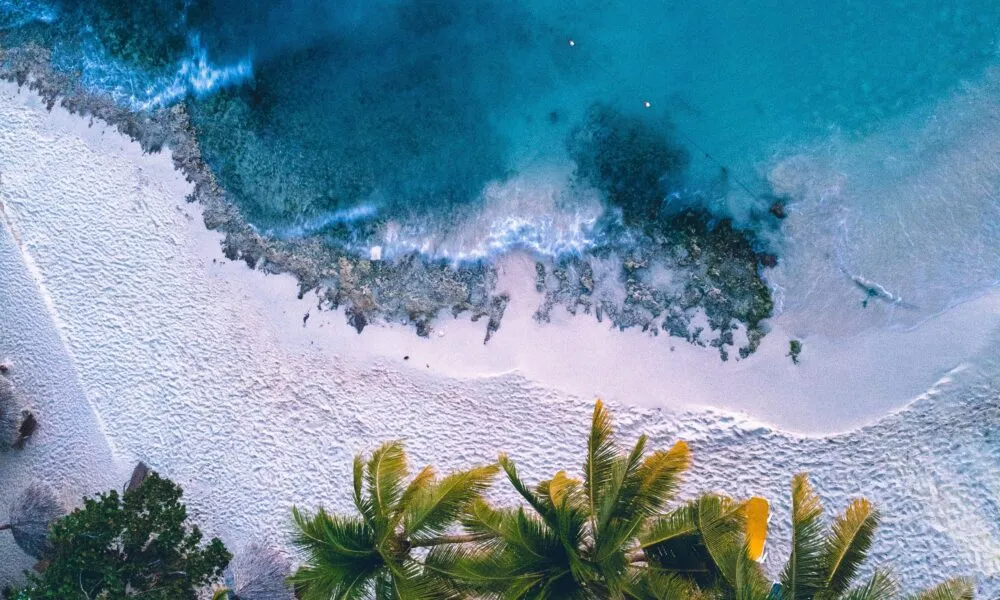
(441, 125)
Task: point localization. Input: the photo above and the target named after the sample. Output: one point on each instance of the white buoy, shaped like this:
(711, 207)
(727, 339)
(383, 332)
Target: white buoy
(572, 43)
(646, 103)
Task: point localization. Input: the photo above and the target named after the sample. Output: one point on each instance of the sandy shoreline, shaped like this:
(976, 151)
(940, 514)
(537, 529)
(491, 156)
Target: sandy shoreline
(205, 370)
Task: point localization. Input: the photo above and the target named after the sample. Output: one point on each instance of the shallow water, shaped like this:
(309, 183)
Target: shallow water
(442, 126)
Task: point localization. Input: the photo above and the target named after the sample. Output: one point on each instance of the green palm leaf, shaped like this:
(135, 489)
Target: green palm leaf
(953, 589)
(623, 483)
(805, 571)
(721, 523)
(659, 477)
(848, 546)
(656, 584)
(537, 503)
(341, 560)
(601, 458)
(384, 477)
(433, 508)
(880, 586)
(748, 582)
(696, 540)
(678, 524)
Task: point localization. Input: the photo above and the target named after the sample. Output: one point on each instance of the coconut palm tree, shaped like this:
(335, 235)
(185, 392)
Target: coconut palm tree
(371, 554)
(575, 538)
(31, 517)
(704, 542)
(824, 562)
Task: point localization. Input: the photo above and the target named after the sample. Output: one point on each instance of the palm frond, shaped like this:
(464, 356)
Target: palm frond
(749, 582)
(848, 546)
(436, 506)
(622, 485)
(423, 480)
(960, 588)
(678, 524)
(483, 521)
(721, 523)
(601, 455)
(657, 584)
(697, 540)
(880, 586)
(341, 560)
(805, 571)
(31, 516)
(408, 581)
(362, 503)
(473, 569)
(384, 475)
(617, 522)
(659, 477)
(561, 489)
(530, 497)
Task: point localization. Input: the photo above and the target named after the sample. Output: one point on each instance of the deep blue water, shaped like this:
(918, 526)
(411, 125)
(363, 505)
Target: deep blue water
(382, 122)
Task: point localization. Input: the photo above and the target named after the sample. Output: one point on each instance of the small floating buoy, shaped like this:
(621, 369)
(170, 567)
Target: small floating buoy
(646, 103)
(572, 43)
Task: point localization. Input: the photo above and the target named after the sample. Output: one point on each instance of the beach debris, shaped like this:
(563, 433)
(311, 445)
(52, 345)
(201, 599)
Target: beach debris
(778, 209)
(27, 428)
(875, 291)
(16, 422)
(258, 573)
(794, 349)
(31, 515)
(139, 474)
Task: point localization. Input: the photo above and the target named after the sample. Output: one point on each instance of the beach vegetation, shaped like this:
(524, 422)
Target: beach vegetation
(31, 516)
(137, 545)
(794, 349)
(614, 530)
(374, 552)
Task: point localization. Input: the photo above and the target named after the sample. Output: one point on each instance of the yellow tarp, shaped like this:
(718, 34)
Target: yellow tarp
(758, 514)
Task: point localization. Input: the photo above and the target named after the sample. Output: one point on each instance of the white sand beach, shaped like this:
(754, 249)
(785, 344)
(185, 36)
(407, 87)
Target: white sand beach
(135, 339)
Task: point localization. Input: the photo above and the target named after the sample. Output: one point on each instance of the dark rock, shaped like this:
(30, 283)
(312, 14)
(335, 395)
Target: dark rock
(139, 474)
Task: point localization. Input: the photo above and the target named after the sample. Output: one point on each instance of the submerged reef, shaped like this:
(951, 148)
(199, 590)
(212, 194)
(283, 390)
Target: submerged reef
(664, 266)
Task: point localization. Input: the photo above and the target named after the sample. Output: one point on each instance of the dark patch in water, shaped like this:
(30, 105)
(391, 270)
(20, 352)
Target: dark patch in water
(631, 159)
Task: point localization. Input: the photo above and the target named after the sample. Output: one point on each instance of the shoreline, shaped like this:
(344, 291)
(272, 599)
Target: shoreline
(202, 368)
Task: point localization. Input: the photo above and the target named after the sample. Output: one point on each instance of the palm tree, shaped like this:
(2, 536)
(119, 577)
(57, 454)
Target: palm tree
(31, 517)
(824, 563)
(704, 542)
(256, 573)
(371, 554)
(575, 538)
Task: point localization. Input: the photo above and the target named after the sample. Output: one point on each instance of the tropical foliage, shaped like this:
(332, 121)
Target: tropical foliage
(137, 545)
(610, 533)
(824, 562)
(374, 552)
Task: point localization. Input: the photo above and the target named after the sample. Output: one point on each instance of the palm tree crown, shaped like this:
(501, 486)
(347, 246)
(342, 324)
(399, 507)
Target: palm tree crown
(371, 554)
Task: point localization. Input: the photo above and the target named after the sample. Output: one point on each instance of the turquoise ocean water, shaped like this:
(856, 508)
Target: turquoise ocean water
(442, 126)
